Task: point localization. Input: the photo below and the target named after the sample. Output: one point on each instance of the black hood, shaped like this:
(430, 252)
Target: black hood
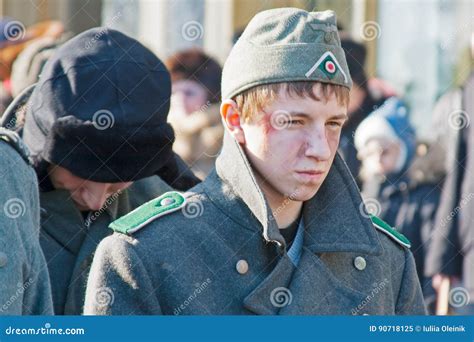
(100, 109)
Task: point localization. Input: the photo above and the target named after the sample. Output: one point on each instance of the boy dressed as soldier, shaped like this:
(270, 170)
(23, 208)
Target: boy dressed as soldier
(279, 226)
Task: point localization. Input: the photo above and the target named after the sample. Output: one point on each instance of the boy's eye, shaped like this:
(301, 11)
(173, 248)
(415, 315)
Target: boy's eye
(295, 122)
(334, 124)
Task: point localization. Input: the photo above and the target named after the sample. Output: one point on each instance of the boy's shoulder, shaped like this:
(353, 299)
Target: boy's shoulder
(390, 232)
(171, 210)
(8, 137)
(140, 217)
(162, 228)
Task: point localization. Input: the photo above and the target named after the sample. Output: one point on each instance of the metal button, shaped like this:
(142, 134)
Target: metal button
(360, 263)
(3, 259)
(242, 266)
(166, 201)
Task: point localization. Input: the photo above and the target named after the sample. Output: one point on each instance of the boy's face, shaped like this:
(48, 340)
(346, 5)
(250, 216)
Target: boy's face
(291, 144)
(87, 195)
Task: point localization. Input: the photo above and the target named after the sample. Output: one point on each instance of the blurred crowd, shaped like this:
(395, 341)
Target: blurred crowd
(423, 188)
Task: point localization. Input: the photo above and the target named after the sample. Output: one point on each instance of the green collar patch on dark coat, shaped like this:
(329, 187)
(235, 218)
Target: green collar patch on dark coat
(391, 232)
(150, 211)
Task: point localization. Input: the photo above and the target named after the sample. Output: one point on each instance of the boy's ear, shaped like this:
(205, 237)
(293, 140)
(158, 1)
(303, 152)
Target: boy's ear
(231, 118)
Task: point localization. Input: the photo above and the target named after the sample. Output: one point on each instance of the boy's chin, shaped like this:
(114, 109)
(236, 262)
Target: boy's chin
(303, 195)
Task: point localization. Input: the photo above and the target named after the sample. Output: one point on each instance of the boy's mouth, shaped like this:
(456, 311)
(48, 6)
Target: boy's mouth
(310, 175)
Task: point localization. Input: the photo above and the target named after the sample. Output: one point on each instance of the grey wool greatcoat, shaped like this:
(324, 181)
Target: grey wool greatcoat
(24, 280)
(69, 240)
(221, 252)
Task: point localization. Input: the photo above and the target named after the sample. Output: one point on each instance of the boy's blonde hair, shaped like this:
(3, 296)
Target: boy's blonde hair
(255, 99)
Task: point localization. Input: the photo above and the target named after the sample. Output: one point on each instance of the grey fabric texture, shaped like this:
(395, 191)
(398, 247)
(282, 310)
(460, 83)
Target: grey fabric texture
(24, 280)
(69, 241)
(184, 263)
(284, 45)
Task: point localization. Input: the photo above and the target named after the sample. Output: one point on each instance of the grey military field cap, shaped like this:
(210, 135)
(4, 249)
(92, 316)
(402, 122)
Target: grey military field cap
(285, 45)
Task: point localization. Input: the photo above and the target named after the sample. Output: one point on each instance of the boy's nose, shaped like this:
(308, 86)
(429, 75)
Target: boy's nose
(318, 146)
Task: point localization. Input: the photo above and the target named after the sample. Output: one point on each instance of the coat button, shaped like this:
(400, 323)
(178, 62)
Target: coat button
(360, 263)
(242, 266)
(166, 201)
(3, 259)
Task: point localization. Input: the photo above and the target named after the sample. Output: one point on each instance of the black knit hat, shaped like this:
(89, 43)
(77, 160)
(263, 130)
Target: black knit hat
(100, 109)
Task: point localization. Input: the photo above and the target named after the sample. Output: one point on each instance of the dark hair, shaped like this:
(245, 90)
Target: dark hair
(195, 65)
(356, 54)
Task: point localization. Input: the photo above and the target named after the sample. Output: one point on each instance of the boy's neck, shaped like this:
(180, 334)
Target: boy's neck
(285, 211)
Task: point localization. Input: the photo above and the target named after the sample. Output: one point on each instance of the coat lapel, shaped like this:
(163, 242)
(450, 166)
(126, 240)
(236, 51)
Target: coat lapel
(234, 169)
(267, 297)
(97, 230)
(316, 291)
(335, 221)
(61, 220)
(75, 294)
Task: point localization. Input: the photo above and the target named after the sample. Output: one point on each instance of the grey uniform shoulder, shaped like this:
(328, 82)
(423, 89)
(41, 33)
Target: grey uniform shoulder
(384, 228)
(144, 215)
(14, 140)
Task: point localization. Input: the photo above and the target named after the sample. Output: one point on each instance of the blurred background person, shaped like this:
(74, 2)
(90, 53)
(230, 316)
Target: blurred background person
(450, 260)
(194, 113)
(363, 100)
(14, 38)
(394, 182)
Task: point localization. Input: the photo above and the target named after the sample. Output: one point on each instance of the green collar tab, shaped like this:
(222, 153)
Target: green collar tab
(391, 232)
(167, 203)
